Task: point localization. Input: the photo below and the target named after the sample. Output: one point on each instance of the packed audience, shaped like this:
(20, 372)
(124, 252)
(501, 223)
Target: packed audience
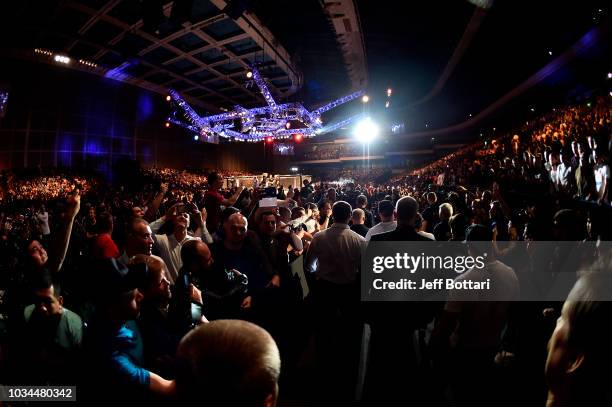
(151, 286)
(334, 151)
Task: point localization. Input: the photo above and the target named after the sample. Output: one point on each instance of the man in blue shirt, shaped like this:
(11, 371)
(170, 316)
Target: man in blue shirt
(115, 342)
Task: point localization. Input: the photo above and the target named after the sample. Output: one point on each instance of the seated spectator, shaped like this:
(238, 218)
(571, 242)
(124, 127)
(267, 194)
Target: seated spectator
(229, 363)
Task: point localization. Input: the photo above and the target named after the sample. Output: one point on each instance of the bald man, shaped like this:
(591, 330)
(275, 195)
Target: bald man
(240, 251)
(358, 219)
(229, 363)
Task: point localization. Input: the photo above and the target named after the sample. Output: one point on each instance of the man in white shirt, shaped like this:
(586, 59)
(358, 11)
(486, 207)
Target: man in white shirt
(335, 253)
(387, 224)
(335, 258)
(559, 172)
(602, 177)
(169, 245)
(43, 222)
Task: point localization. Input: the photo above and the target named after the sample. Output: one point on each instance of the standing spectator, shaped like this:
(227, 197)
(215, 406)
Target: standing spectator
(578, 350)
(103, 246)
(358, 219)
(585, 176)
(473, 320)
(42, 217)
(228, 363)
(362, 203)
(602, 177)
(158, 333)
(53, 336)
(213, 200)
(335, 258)
(442, 230)
(430, 213)
(139, 239)
(239, 251)
(385, 211)
(115, 345)
(176, 222)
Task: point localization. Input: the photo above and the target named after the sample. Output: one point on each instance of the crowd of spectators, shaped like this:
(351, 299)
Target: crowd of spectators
(334, 151)
(144, 284)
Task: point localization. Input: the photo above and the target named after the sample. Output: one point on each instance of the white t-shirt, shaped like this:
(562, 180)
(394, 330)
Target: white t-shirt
(483, 313)
(382, 227)
(170, 251)
(43, 222)
(602, 171)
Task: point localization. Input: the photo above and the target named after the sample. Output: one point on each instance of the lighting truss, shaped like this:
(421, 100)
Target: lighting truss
(258, 123)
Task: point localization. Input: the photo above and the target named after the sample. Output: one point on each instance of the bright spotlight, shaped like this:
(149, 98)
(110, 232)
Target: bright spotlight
(288, 125)
(269, 140)
(249, 74)
(609, 75)
(365, 99)
(366, 130)
(61, 58)
(298, 137)
(389, 92)
(167, 124)
(168, 98)
(196, 137)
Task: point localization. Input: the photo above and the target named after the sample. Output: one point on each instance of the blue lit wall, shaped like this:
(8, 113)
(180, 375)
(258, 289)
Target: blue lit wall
(58, 117)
